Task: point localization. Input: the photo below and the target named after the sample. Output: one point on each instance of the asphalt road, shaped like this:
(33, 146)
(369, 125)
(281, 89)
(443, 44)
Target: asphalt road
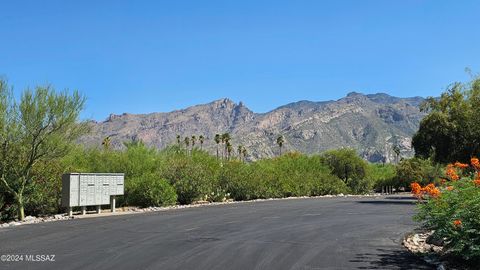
(325, 233)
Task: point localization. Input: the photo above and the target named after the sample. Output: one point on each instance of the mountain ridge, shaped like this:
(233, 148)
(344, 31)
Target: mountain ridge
(370, 123)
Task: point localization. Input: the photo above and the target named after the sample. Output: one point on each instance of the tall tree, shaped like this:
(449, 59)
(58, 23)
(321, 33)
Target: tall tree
(396, 150)
(229, 148)
(179, 139)
(280, 142)
(41, 128)
(239, 150)
(187, 144)
(201, 139)
(226, 140)
(194, 139)
(244, 153)
(451, 130)
(346, 165)
(218, 140)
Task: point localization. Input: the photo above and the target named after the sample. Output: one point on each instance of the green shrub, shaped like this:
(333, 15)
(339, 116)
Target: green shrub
(194, 175)
(461, 204)
(381, 175)
(348, 166)
(423, 171)
(149, 190)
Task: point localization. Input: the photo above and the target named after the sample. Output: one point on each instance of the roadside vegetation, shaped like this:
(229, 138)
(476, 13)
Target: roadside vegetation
(450, 203)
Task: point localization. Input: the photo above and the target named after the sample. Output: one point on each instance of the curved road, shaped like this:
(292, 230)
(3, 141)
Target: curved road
(323, 233)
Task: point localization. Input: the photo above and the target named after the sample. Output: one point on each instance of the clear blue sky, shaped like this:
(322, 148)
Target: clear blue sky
(148, 56)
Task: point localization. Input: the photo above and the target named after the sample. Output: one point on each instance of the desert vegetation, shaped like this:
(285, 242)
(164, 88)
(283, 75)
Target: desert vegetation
(450, 203)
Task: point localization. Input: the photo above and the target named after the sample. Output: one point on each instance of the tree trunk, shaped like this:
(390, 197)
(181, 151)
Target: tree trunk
(21, 210)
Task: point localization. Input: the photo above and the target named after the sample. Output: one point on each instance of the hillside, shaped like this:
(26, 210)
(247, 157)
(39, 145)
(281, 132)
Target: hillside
(372, 124)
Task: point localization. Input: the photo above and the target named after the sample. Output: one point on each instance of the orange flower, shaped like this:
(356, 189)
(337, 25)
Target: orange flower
(435, 192)
(460, 165)
(457, 223)
(475, 163)
(450, 188)
(431, 190)
(452, 173)
(416, 188)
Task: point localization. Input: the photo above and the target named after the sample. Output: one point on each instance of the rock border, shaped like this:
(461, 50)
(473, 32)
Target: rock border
(416, 242)
(134, 210)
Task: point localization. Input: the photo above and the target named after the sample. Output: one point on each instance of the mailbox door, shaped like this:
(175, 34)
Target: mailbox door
(105, 189)
(91, 192)
(74, 190)
(119, 185)
(83, 190)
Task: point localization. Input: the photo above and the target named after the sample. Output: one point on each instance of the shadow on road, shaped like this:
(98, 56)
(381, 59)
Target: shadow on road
(409, 198)
(389, 202)
(391, 259)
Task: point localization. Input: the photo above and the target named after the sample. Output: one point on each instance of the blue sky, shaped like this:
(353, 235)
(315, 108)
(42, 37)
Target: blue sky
(150, 56)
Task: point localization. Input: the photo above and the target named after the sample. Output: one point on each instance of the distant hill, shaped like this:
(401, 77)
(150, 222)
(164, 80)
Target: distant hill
(372, 124)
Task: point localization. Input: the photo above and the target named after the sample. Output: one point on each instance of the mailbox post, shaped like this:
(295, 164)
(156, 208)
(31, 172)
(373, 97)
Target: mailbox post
(91, 189)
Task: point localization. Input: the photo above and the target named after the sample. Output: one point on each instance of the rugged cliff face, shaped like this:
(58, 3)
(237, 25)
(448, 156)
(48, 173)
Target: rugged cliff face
(372, 124)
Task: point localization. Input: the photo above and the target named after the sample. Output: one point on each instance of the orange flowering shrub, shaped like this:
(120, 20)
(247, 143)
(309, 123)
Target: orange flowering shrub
(454, 216)
(429, 189)
(451, 173)
(461, 165)
(416, 188)
(475, 163)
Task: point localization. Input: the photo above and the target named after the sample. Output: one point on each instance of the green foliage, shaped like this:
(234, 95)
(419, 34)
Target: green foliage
(451, 130)
(348, 166)
(380, 175)
(150, 190)
(41, 128)
(292, 174)
(194, 176)
(422, 171)
(462, 203)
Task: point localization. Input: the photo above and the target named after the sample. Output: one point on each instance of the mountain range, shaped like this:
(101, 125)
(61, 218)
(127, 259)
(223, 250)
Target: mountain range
(372, 124)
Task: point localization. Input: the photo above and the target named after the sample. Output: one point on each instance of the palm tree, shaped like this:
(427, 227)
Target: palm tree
(239, 150)
(187, 143)
(396, 150)
(229, 148)
(201, 139)
(217, 139)
(226, 140)
(244, 153)
(194, 139)
(280, 142)
(106, 143)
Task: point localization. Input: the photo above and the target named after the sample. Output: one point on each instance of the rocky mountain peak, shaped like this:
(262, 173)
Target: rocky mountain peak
(371, 124)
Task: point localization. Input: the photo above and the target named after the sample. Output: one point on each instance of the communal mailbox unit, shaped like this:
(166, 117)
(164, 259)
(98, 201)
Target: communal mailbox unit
(91, 189)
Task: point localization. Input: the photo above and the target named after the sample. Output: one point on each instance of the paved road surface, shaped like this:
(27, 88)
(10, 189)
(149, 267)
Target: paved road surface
(326, 233)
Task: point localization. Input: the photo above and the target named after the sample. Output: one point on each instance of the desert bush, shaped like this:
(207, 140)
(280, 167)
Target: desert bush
(452, 211)
(348, 166)
(419, 170)
(150, 190)
(380, 175)
(194, 175)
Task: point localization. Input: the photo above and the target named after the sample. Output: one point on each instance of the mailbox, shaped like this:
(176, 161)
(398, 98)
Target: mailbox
(91, 189)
